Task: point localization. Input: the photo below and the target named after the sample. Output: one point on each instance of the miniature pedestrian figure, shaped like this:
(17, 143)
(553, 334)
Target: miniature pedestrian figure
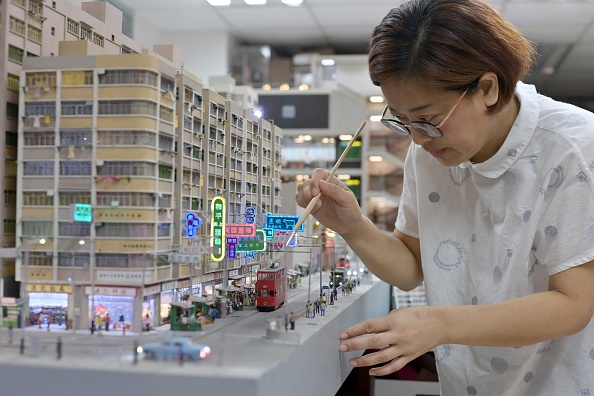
(107, 321)
(60, 318)
(331, 298)
(286, 322)
(181, 355)
(66, 320)
(147, 322)
(49, 320)
(10, 333)
(99, 322)
(184, 322)
(122, 320)
(59, 348)
(335, 293)
(22, 347)
(292, 321)
(93, 327)
(213, 314)
(323, 309)
(40, 319)
(135, 354)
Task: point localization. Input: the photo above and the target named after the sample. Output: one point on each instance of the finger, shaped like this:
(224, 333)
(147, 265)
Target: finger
(393, 366)
(363, 343)
(340, 193)
(384, 355)
(370, 326)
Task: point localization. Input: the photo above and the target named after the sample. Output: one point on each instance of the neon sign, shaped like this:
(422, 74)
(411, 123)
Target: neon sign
(217, 228)
(193, 222)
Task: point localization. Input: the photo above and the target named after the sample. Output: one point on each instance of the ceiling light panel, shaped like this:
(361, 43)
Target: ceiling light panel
(255, 2)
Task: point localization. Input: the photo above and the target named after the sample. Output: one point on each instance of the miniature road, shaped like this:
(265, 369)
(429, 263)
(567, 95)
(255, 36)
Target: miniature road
(236, 339)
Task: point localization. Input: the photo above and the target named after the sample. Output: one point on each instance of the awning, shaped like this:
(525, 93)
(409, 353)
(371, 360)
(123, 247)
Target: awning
(236, 276)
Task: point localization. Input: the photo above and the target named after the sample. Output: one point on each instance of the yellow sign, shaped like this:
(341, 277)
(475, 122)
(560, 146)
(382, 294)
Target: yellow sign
(41, 288)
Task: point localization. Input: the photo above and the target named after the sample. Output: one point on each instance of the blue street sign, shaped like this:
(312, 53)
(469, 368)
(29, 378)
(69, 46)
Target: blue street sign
(282, 222)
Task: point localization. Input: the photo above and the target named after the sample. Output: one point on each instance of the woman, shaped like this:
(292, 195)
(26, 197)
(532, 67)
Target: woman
(496, 215)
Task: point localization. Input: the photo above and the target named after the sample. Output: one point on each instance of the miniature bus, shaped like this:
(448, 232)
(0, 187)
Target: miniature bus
(271, 287)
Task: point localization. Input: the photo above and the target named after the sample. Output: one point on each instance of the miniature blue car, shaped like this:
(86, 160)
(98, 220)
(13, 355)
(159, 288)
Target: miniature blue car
(174, 348)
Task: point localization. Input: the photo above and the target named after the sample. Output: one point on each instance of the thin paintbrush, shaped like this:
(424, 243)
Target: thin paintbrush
(313, 201)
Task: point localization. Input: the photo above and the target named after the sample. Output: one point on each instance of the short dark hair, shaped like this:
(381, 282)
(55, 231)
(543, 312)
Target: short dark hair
(448, 45)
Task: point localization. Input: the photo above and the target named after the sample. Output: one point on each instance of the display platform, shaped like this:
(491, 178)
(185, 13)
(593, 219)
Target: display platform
(244, 361)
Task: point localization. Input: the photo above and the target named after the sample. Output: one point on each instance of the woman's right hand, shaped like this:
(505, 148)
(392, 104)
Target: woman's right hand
(337, 207)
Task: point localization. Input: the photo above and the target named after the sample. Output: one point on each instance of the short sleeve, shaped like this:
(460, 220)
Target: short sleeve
(407, 220)
(565, 232)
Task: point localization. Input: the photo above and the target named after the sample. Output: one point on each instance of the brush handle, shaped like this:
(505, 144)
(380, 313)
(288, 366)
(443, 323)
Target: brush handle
(315, 199)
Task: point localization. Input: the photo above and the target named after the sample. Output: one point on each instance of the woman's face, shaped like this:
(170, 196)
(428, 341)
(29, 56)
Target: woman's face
(468, 134)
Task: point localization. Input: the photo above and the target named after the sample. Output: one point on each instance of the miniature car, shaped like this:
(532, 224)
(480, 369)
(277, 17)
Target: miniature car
(174, 348)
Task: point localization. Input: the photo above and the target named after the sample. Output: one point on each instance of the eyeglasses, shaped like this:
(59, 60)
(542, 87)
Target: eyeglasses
(424, 127)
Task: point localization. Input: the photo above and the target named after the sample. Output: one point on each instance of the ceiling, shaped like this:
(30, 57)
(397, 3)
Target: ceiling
(562, 30)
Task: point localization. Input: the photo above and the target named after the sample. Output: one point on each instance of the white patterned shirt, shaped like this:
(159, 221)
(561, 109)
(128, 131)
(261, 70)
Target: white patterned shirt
(498, 230)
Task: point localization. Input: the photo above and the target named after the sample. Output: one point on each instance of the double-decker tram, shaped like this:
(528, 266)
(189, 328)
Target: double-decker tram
(271, 287)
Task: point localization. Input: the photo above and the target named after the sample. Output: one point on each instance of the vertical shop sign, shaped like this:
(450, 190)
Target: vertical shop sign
(231, 245)
(217, 228)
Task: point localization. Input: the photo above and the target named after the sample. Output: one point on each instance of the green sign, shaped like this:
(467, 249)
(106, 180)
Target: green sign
(217, 228)
(252, 244)
(82, 213)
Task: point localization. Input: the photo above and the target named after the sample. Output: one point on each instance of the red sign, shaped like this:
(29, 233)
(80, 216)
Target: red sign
(240, 230)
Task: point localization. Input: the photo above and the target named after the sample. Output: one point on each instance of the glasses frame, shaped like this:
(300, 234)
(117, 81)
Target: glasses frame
(403, 129)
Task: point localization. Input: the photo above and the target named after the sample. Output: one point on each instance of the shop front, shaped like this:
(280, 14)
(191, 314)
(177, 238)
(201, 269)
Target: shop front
(167, 297)
(47, 304)
(149, 306)
(113, 302)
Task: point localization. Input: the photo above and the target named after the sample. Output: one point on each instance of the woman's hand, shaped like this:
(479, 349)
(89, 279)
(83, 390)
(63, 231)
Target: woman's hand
(337, 207)
(403, 335)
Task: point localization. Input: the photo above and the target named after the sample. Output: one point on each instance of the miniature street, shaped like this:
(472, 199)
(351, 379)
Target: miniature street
(235, 339)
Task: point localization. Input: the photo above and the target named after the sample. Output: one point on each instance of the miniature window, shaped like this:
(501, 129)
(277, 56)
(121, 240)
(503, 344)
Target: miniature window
(67, 198)
(72, 27)
(71, 259)
(36, 198)
(75, 168)
(17, 26)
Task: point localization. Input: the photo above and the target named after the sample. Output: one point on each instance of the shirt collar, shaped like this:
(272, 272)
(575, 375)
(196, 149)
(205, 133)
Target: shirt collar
(517, 139)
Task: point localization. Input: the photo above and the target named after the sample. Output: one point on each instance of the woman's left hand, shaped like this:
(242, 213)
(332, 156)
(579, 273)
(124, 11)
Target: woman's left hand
(401, 336)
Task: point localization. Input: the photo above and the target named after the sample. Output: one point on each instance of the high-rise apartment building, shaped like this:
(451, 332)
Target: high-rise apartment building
(33, 28)
(117, 148)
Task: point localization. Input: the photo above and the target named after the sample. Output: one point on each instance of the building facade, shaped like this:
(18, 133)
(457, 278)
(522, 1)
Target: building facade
(137, 142)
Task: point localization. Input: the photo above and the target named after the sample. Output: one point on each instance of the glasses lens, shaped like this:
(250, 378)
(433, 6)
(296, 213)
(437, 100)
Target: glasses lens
(427, 129)
(395, 127)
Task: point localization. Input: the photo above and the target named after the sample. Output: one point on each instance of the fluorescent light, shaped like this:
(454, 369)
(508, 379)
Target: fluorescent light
(376, 99)
(375, 118)
(255, 2)
(345, 137)
(219, 3)
(376, 158)
(293, 3)
(328, 62)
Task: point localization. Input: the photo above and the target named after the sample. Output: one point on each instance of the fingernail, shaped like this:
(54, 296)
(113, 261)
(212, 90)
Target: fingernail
(344, 336)
(342, 348)
(354, 363)
(314, 191)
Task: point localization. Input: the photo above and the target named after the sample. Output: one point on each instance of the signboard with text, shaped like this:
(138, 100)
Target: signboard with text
(283, 222)
(81, 212)
(217, 228)
(252, 244)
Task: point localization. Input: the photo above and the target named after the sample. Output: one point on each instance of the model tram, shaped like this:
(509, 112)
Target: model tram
(271, 287)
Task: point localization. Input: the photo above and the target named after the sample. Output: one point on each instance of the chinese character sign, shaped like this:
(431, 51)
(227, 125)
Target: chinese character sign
(252, 244)
(217, 228)
(193, 222)
(81, 212)
(283, 222)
